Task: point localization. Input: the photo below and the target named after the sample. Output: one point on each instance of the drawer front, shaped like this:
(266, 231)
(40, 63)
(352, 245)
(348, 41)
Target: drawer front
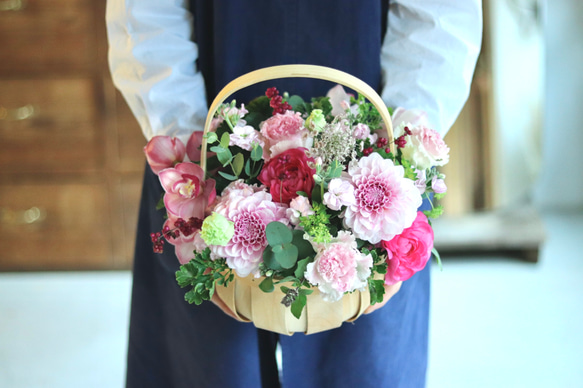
(47, 36)
(48, 226)
(50, 126)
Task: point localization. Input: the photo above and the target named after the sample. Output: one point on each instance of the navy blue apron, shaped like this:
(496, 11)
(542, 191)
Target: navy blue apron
(174, 344)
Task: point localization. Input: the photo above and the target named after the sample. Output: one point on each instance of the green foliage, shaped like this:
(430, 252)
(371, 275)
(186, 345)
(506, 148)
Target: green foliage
(316, 225)
(435, 212)
(259, 110)
(437, 258)
(322, 103)
(376, 289)
(203, 274)
(367, 113)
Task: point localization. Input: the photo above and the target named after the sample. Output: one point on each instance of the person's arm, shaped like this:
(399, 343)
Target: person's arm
(152, 62)
(429, 54)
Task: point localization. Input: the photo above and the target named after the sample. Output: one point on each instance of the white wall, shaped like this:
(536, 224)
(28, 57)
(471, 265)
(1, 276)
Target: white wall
(517, 49)
(560, 183)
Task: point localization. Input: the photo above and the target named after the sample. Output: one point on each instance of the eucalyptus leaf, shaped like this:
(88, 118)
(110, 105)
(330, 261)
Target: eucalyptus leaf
(295, 101)
(228, 176)
(225, 140)
(287, 256)
(238, 163)
(211, 137)
(256, 153)
(269, 259)
(278, 233)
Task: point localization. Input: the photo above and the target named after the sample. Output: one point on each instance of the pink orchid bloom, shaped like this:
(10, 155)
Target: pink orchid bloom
(187, 193)
(340, 100)
(164, 152)
(193, 146)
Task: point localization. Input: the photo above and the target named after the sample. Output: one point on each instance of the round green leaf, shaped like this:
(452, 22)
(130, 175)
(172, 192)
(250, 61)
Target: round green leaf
(277, 233)
(287, 256)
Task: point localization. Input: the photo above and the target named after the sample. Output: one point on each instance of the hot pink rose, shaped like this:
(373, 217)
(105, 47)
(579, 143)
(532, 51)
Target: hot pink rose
(408, 252)
(288, 173)
(164, 152)
(187, 192)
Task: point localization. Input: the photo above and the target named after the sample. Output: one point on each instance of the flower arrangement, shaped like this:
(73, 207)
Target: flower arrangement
(307, 193)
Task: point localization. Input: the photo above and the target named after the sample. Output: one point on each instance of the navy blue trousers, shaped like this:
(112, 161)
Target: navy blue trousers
(174, 344)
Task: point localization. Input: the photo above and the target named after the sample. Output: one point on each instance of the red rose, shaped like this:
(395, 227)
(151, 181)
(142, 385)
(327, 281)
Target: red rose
(286, 174)
(408, 252)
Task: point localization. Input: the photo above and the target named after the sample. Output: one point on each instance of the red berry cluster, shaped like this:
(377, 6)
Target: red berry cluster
(277, 103)
(400, 142)
(181, 226)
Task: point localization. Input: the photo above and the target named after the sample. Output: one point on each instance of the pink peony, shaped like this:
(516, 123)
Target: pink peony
(251, 212)
(339, 267)
(409, 252)
(187, 193)
(283, 132)
(288, 173)
(164, 152)
(386, 201)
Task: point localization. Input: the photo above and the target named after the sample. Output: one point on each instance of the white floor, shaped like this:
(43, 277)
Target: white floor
(496, 322)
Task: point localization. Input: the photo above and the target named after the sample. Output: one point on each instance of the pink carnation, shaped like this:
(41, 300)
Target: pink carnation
(409, 252)
(339, 267)
(386, 201)
(251, 213)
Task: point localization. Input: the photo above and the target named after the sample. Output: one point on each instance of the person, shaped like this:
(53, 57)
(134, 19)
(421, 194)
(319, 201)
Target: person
(169, 58)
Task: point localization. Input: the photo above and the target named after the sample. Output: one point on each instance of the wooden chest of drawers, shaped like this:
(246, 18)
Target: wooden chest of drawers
(71, 158)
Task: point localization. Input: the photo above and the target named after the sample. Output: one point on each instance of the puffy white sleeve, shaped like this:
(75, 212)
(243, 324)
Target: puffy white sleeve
(429, 55)
(152, 62)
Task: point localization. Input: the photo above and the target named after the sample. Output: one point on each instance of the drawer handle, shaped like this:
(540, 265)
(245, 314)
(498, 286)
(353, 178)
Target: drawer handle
(11, 5)
(16, 114)
(10, 217)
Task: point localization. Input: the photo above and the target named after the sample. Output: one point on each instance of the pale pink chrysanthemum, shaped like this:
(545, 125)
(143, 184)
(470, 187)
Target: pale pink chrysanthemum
(386, 201)
(251, 213)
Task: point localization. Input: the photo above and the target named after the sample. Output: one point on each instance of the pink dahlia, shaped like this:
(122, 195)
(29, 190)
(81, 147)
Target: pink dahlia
(251, 213)
(386, 201)
(339, 267)
(187, 193)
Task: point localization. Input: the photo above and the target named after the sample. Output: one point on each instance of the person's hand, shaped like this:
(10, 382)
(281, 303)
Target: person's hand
(220, 304)
(389, 292)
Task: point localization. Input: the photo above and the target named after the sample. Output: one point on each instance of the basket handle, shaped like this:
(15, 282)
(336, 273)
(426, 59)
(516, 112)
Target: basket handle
(296, 71)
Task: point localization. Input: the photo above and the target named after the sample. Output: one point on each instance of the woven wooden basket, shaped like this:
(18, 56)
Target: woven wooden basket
(243, 295)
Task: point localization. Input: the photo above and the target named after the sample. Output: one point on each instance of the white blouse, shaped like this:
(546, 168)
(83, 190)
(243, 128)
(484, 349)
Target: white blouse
(428, 59)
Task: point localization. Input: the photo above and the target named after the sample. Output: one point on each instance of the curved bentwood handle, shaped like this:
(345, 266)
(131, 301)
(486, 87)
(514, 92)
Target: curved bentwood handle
(296, 71)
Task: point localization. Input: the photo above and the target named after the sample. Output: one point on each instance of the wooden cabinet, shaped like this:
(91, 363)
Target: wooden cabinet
(71, 159)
